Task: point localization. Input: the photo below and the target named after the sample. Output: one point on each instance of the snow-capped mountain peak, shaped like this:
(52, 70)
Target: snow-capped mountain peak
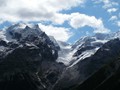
(20, 31)
(21, 28)
(87, 46)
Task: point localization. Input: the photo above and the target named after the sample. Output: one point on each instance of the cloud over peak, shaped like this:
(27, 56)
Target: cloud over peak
(60, 33)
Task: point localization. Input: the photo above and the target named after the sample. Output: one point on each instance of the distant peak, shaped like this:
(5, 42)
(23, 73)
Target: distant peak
(33, 26)
(27, 27)
(36, 26)
(24, 26)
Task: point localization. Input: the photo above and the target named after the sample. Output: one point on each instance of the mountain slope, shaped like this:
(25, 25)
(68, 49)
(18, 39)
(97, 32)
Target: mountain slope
(105, 78)
(85, 68)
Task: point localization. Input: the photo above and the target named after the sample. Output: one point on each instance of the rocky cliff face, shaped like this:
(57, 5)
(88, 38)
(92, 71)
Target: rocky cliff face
(27, 59)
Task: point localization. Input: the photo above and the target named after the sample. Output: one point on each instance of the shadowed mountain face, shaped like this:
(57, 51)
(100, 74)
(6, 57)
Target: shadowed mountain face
(31, 60)
(27, 59)
(106, 78)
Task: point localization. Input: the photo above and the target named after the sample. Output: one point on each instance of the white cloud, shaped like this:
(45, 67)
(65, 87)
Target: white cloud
(87, 33)
(118, 23)
(81, 20)
(60, 18)
(59, 33)
(112, 10)
(108, 5)
(113, 18)
(35, 10)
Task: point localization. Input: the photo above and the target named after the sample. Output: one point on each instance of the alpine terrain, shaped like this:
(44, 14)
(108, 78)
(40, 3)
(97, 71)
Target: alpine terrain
(32, 60)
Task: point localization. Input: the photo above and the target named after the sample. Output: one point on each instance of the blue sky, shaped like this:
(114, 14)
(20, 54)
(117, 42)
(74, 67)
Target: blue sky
(66, 20)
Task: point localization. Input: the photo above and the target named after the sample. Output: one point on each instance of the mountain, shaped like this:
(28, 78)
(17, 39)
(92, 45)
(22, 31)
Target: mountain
(27, 59)
(90, 55)
(32, 60)
(88, 46)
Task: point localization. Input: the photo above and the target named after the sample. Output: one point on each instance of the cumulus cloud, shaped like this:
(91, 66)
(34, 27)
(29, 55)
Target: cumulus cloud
(59, 33)
(81, 20)
(112, 10)
(108, 5)
(35, 10)
(60, 18)
(113, 18)
(118, 23)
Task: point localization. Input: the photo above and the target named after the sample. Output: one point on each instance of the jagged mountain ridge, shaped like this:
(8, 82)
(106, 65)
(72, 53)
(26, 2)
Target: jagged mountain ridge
(27, 56)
